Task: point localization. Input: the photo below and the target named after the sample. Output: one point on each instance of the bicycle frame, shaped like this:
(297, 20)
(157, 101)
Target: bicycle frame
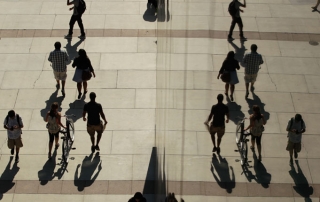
(68, 138)
(241, 141)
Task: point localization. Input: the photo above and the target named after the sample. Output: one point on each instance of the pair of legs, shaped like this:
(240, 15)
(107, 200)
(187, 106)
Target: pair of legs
(220, 132)
(15, 144)
(55, 137)
(250, 78)
(227, 85)
(73, 20)
(316, 6)
(60, 76)
(92, 129)
(236, 20)
(256, 139)
(293, 148)
(79, 86)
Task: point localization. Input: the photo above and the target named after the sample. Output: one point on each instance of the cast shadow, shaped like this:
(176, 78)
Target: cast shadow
(149, 185)
(76, 108)
(262, 176)
(163, 12)
(301, 183)
(235, 113)
(6, 179)
(47, 173)
(221, 166)
(257, 101)
(150, 14)
(72, 49)
(239, 51)
(53, 98)
(87, 174)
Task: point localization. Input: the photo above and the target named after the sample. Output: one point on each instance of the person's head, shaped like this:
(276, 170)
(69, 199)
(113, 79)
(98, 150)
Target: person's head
(82, 53)
(230, 55)
(254, 48)
(54, 108)
(57, 45)
(137, 196)
(92, 96)
(298, 117)
(220, 98)
(256, 109)
(11, 114)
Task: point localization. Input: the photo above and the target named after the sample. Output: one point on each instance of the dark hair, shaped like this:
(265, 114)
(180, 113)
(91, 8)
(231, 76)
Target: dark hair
(298, 117)
(92, 96)
(82, 53)
(230, 55)
(254, 47)
(11, 113)
(54, 107)
(256, 112)
(220, 98)
(57, 45)
(137, 195)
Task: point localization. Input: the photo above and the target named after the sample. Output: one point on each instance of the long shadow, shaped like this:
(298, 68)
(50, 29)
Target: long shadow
(150, 14)
(262, 176)
(76, 108)
(88, 167)
(149, 185)
(235, 113)
(72, 49)
(6, 179)
(257, 101)
(47, 173)
(53, 98)
(302, 186)
(239, 51)
(222, 174)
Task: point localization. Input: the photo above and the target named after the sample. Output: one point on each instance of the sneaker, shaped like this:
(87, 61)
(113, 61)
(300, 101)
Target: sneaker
(69, 36)
(17, 159)
(291, 162)
(97, 147)
(214, 149)
(247, 94)
(63, 93)
(82, 36)
(12, 151)
(218, 150)
(230, 38)
(231, 98)
(49, 156)
(295, 154)
(242, 38)
(92, 149)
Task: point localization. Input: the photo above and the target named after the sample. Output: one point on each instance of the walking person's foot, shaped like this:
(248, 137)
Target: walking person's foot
(230, 38)
(291, 161)
(12, 151)
(218, 150)
(259, 158)
(57, 146)
(242, 38)
(69, 36)
(49, 155)
(92, 149)
(79, 96)
(252, 88)
(295, 154)
(85, 92)
(58, 86)
(314, 8)
(214, 149)
(17, 159)
(231, 98)
(97, 147)
(82, 36)
(63, 93)
(247, 94)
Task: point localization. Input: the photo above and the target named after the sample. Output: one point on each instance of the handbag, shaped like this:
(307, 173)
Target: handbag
(225, 77)
(86, 75)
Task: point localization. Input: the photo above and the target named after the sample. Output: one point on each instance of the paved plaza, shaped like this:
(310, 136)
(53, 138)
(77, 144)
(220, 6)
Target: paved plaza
(156, 80)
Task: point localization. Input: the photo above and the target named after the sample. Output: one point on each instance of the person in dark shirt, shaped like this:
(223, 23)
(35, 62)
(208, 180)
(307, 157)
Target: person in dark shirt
(138, 197)
(218, 112)
(94, 123)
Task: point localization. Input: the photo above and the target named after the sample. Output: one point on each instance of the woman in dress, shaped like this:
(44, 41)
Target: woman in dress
(54, 122)
(230, 65)
(256, 128)
(83, 63)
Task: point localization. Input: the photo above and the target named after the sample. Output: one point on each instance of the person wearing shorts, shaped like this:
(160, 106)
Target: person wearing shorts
(59, 59)
(94, 124)
(295, 128)
(252, 62)
(218, 113)
(13, 123)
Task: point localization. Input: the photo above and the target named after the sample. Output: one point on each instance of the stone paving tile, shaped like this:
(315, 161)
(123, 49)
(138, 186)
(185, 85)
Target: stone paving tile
(240, 189)
(191, 188)
(7, 186)
(42, 33)
(215, 189)
(95, 32)
(120, 187)
(300, 37)
(51, 187)
(26, 33)
(96, 187)
(9, 33)
(73, 187)
(268, 35)
(284, 37)
(258, 190)
(129, 32)
(281, 190)
(27, 187)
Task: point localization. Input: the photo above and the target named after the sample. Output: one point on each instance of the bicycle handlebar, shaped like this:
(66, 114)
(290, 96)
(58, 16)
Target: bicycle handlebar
(71, 115)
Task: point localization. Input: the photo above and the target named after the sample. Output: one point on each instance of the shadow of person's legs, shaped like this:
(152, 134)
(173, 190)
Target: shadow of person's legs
(262, 176)
(7, 177)
(47, 172)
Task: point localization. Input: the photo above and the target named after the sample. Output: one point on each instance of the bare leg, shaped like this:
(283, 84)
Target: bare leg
(79, 86)
(247, 87)
(316, 6)
(85, 85)
(50, 147)
(17, 151)
(232, 89)
(63, 84)
(226, 88)
(259, 149)
(218, 142)
(252, 143)
(58, 82)
(99, 138)
(92, 139)
(56, 139)
(213, 140)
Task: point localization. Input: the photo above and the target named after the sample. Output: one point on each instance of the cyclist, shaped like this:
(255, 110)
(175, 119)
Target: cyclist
(256, 128)
(54, 125)
(218, 112)
(94, 123)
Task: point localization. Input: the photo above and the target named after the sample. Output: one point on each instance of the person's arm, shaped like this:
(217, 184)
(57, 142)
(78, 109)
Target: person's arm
(303, 128)
(46, 119)
(74, 64)
(261, 62)
(244, 4)
(103, 117)
(289, 128)
(58, 120)
(84, 115)
(227, 115)
(209, 118)
(237, 65)
(251, 123)
(263, 120)
(70, 2)
(221, 69)
(50, 57)
(91, 69)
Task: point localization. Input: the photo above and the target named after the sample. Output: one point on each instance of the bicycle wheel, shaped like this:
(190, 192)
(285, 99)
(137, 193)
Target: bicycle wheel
(65, 150)
(238, 131)
(70, 129)
(244, 151)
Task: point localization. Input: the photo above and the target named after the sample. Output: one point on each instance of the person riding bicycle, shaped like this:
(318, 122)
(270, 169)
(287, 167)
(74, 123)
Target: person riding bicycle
(256, 128)
(54, 125)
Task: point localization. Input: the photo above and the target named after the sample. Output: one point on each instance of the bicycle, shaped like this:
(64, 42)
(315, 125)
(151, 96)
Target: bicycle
(68, 138)
(241, 141)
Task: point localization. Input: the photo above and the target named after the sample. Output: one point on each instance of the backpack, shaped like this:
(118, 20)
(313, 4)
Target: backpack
(232, 8)
(81, 7)
(18, 120)
(292, 120)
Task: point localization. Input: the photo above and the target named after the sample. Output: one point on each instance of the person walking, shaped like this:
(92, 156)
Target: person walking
(94, 123)
(296, 127)
(53, 119)
(138, 197)
(257, 122)
(13, 123)
(218, 113)
(252, 62)
(83, 64)
(76, 17)
(234, 11)
(316, 6)
(230, 65)
(59, 59)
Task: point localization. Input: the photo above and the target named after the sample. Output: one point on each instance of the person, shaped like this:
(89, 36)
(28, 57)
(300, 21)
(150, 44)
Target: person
(154, 4)
(82, 63)
(13, 123)
(94, 124)
(296, 127)
(138, 197)
(316, 6)
(252, 61)
(230, 65)
(256, 127)
(236, 19)
(218, 112)
(53, 119)
(59, 59)
(76, 17)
